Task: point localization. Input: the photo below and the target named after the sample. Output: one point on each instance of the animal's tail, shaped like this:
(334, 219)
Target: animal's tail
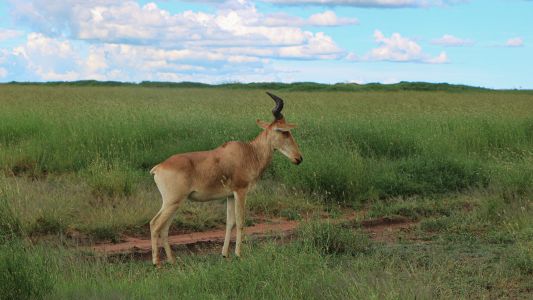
(152, 171)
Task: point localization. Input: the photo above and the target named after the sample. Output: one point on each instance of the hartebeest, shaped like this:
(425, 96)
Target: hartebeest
(228, 171)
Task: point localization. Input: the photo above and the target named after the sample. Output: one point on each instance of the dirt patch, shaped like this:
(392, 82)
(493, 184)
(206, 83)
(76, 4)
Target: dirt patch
(388, 229)
(381, 229)
(131, 244)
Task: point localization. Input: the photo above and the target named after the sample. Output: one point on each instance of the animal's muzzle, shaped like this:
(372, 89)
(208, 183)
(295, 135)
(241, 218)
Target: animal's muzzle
(299, 160)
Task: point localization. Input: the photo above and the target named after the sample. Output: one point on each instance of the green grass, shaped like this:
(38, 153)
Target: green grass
(74, 164)
(24, 274)
(83, 153)
(324, 261)
(379, 144)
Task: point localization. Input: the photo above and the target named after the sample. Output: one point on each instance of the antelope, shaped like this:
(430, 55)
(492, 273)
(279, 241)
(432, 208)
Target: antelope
(229, 171)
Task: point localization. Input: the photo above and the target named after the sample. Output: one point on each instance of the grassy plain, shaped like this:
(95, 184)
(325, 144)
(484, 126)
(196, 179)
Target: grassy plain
(75, 160)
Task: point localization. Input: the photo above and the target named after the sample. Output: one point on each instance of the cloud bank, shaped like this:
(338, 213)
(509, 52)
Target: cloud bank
(369, 3)
(127, 41)
(109, 39)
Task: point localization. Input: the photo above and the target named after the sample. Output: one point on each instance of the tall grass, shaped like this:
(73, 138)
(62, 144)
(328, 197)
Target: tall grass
(24, 275)
(358, 146)
(10, 225)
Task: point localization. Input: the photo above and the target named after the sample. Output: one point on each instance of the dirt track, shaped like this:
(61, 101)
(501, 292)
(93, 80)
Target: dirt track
(140, 245)
(382, 229)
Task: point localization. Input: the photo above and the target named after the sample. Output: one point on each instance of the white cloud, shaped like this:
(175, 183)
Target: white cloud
(46, 57)
(449, 40)
(370, 3)
(440, 59)
(236, 23)
(515, 42)
(122, 40)
(401, 49)
(326, 18)
(319, 45)
(7, 34)
(3, 72)
(329, 18)
(352, 57)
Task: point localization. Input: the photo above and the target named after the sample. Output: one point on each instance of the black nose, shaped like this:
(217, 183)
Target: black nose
(299, 160)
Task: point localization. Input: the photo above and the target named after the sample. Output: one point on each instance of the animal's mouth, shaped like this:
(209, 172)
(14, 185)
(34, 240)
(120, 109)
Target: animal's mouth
(298, 161)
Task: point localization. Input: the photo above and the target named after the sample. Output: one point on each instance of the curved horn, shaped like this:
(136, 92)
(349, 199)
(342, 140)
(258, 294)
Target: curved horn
(276, 111)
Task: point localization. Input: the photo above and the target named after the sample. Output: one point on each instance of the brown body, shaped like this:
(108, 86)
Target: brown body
(228, 171)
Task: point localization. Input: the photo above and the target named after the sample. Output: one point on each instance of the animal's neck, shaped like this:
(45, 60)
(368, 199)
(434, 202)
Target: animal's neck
(263, 151)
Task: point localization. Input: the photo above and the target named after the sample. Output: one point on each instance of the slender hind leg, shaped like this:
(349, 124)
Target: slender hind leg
(154, 236)
(163, 219)
(230, 222)
(174, 188)
(164, 234)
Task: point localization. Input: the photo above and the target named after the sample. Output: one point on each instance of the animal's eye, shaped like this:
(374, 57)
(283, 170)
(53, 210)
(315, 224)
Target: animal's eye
(285, 133)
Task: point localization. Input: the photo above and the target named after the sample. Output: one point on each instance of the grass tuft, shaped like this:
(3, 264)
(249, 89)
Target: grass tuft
(521, 258)
(23, 275)
(331, 239)
(47, 224)
(111, 179)
(10, 225)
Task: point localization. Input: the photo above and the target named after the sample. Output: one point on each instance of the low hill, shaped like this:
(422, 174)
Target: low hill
(296, 86)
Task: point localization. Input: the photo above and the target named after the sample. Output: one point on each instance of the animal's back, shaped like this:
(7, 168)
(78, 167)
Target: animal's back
(204, 175)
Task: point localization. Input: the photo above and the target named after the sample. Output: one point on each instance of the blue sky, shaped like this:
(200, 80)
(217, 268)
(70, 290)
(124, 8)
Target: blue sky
(483, 43)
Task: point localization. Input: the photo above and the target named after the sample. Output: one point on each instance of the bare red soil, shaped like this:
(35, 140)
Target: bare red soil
(381, 229)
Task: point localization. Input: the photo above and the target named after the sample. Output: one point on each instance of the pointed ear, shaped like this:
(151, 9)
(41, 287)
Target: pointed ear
(262, 124)
(285, 127)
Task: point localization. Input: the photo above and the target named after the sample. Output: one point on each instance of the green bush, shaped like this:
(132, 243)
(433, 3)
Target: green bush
(47, 225)
(434, 224)
(521, 257)
(10, 226)
(23, 275)
(105, 233)
(111, 179)
(330, 239)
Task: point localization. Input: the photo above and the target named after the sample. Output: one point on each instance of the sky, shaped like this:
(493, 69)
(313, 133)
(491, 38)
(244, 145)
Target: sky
(487, 43)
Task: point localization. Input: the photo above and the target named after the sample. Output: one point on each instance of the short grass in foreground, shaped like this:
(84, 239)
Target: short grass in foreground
(480, 253)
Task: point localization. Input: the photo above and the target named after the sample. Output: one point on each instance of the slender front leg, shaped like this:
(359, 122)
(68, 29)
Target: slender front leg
(240, 202)
(230, 222)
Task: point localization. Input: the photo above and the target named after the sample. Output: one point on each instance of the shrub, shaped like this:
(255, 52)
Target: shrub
(23, 275)
(521, 258)
(434, 224)
(47, 225)
(107, 233)
(111, 179)
(329, 239)
(10, 226)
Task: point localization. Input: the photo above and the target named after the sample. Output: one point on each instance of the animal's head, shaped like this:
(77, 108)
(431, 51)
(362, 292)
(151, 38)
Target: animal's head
(279, 133)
